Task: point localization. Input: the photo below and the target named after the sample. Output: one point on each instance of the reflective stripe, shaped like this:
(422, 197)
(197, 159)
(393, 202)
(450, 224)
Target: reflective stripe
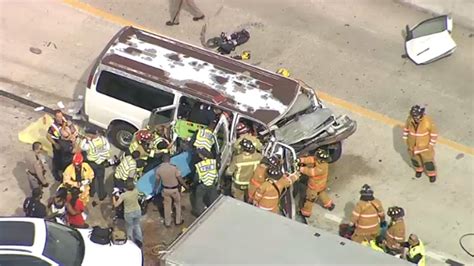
(355, 213)
(420, 151)
(317, 187)
(270, 198)
(433, 135)
(255, 183)
(306, 213)
(239, 169)
(327, 205)
(204, 139)
(369, 215)
(266, 208)
(207, 171)
(418, 134)
(367, 226)
(99, 150)
(127, 165)
(394, 237)
(418, 249)
(56, 132)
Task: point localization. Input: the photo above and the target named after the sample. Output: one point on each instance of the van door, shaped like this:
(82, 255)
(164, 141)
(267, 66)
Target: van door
(224, 151)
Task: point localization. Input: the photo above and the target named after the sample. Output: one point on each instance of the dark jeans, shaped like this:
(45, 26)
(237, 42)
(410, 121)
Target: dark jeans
(203, 196)
(99, 176)
(57, 165)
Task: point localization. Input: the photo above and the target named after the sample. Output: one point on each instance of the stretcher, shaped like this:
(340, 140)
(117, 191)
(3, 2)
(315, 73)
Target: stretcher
(147, 183)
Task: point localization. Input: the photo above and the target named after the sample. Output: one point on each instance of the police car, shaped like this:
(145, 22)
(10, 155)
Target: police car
(34, 241)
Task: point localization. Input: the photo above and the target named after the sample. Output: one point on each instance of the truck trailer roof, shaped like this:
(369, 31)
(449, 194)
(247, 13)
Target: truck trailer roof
(233, 232)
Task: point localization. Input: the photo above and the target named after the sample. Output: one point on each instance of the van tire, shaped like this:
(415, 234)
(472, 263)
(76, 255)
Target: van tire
(335, 151)
(119, 133)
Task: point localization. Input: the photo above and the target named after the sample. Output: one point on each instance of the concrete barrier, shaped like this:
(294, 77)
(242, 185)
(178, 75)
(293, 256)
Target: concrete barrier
(462, 11)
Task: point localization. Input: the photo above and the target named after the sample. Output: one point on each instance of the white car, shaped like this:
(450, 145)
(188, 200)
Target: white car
(34, 241)
(430, 40)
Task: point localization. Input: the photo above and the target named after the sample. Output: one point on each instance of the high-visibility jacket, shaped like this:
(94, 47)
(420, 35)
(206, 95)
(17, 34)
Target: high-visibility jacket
(255, 141)
(421, 137)
(69, 175)
(126, 169)
(135, 146)
(258, 177)
(98, 149)
(157, 140)
(316, 171)
(373, 245)
(415, 250)
(204, 139)
(207, 171)
(55, 131)
(395, 234)
(367, 216)
(242, 167)
(268, 194)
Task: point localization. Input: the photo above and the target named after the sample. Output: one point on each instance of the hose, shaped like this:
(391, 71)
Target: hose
(462, 246)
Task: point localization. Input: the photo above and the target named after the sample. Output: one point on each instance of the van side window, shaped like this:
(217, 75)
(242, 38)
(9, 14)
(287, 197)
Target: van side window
(133, 92)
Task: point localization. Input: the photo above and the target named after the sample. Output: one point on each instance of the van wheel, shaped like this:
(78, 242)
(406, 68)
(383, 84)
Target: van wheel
(335, 151)
(121, 135)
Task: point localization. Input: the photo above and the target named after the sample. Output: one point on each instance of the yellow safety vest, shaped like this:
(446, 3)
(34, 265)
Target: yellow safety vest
(247, 165)
(127, 164)
(99, 150)
(207, 171)
(135, 146)
(157, 140)
(418, 249)
(373, 245)
(204, 139)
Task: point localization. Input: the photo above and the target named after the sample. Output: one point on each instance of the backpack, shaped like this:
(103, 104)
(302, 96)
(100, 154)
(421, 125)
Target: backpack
(229, 42)
(100, 235)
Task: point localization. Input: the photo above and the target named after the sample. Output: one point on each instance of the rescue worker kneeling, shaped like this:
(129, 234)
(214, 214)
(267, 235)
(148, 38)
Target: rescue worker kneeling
(260, 174)
(316, 168)
(416, 250)
(79, 175)
(241, 169)
(205, 180)
(395, 235)
(129, 167)
(267, 196)
(367, 216)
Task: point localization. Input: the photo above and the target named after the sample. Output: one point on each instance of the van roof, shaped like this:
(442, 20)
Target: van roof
(225, 82)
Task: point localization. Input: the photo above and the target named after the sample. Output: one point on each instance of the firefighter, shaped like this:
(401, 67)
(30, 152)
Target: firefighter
(316, 168)
(260, 174)
(141, 142)
(420, 135)
(98, 153)
(79, 174)
(126, 169)
(241, 169)
(367, 216)
(267, 196)
(244, 132)
(159, 145)
(416, 250)
(205, 181)
(205, 138)
(395, 235)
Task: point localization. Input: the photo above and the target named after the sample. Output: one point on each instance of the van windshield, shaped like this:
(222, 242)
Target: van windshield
(304, 103)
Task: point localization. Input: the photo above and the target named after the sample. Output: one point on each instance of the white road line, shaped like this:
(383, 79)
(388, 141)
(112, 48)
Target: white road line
(439, 256)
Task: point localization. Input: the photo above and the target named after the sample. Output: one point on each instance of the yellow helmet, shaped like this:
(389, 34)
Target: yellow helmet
(284, 72)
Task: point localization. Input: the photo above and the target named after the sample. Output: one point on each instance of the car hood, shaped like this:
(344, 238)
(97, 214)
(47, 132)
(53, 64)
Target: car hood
(127, 254)
(302, 127)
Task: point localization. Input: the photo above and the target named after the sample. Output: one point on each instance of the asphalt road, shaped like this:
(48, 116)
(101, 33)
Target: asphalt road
(351, 51)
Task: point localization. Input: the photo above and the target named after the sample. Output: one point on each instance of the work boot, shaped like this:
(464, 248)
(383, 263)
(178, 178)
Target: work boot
(418, 174)
(330, 208)
(198, 18)
(432, 179)
(171, 23)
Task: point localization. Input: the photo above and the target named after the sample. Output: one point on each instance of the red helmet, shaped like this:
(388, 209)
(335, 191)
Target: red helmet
(77, 159)
(144, 135)
(242, 128)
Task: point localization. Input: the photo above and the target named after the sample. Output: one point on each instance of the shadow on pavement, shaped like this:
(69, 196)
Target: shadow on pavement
(19, 172)
(348, 208)
(399, 144)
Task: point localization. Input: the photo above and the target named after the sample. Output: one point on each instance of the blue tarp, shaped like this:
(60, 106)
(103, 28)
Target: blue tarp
(147, 183)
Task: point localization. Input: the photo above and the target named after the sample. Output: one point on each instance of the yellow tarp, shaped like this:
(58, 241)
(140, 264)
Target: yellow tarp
(36, 131)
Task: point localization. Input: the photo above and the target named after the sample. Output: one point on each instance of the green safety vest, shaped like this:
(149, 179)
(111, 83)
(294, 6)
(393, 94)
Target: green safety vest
(99, 150)
(127, 165)
(204, 139)
(186, 129)
(418, 249)
(207, 171)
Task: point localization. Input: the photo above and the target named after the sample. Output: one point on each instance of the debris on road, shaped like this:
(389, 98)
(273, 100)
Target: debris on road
(38, 109)
(35, 50)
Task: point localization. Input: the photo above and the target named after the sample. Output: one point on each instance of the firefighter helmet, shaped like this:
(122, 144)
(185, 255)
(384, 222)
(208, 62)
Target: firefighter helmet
(143, 136)
(275, 159)
(417, 112)
(322, 154)
(77, 159)
(274, 172)
(366, 190)
(396, 212)
(242, 128)
(247, 145)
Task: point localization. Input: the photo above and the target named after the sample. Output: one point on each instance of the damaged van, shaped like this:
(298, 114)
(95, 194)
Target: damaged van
(142, 78)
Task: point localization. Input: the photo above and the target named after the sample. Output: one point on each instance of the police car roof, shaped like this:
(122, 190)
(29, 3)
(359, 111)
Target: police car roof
(230, 84)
